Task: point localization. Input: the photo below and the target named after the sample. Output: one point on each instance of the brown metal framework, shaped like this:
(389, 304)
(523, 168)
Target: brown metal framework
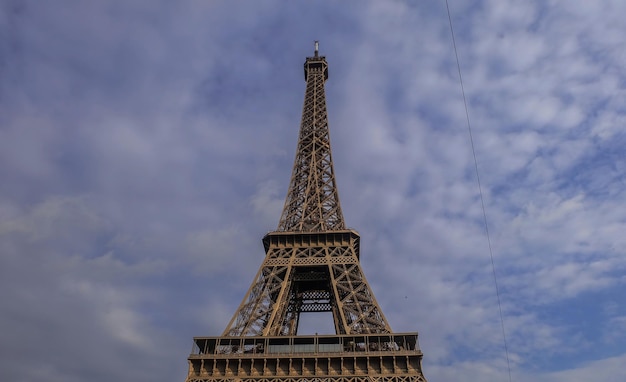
(360, 358)
(312, 202)
(312, 264)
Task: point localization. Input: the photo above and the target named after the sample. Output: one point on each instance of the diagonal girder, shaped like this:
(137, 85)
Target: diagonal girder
(311, 265)
(321, 274)
(312, 202)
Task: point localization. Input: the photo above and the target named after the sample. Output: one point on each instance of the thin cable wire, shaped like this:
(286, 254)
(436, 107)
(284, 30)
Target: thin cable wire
(480, 190)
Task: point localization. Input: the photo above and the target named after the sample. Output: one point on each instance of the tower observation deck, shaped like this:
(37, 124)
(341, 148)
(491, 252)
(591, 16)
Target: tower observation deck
(312, 264)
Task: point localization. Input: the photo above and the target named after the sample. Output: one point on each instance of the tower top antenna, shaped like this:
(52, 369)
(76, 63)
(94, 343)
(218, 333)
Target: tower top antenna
(317, 48)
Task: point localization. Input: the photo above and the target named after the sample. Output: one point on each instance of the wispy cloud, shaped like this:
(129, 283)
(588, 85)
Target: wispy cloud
(145, 150)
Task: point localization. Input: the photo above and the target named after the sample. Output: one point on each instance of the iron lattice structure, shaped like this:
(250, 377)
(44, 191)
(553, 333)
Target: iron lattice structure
(312, 202)
(312, 264)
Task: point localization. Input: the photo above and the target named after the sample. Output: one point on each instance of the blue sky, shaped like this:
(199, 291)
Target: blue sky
(146, 147)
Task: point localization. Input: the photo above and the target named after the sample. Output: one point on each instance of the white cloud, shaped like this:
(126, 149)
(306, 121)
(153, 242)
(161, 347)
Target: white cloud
(144, 152)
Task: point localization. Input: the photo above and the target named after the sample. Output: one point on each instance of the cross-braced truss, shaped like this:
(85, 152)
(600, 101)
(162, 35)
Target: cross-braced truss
(312, 264)
(308, 272)
(312, 202)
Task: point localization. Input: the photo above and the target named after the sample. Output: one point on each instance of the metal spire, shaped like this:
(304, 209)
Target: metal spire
(312, 202)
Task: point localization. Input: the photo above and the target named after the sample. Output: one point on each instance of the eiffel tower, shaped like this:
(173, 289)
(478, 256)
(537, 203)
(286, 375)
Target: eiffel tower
(312, 264)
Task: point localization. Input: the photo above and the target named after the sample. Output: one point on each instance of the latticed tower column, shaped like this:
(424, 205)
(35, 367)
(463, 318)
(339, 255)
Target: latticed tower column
(325, 275)
(312, 202)
(312, 264)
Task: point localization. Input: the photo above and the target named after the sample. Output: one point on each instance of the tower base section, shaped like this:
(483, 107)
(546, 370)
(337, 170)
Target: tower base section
(333, 358)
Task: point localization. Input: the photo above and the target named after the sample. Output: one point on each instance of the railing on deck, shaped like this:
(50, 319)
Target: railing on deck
(318, 344)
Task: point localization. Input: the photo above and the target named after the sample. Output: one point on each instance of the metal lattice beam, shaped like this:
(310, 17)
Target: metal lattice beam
(312, 264)
(326, 270)
(312, 202)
